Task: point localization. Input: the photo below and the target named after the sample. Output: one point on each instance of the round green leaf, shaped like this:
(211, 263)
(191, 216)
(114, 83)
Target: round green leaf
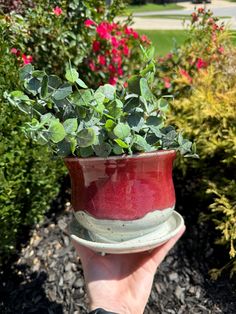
(86, 137)
(102, 150)
(56, 131)
(121, 130)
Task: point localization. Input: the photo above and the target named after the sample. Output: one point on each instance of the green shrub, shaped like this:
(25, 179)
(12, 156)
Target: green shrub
(28, 178)
(206, 39)
(208, 115)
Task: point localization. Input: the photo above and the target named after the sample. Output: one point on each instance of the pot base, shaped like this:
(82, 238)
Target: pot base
(160, 235)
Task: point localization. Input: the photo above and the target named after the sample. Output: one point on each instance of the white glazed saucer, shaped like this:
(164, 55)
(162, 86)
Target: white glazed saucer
(162, 234)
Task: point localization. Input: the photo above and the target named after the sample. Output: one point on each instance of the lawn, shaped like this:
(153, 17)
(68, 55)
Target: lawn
(152, 7)
(163, 40)
(174, 16)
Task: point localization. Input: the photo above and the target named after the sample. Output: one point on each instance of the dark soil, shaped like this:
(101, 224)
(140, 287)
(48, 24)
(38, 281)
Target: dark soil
(47, 276)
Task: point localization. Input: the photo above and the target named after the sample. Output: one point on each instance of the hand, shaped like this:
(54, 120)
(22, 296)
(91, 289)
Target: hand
(121, 283)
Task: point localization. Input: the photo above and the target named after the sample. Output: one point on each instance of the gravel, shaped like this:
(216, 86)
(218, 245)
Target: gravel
(47, 276)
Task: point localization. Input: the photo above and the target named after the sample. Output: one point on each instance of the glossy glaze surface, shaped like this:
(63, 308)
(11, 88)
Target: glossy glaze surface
(122, 187)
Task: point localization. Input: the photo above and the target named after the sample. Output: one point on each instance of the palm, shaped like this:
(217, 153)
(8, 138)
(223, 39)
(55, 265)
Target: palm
(122, 282)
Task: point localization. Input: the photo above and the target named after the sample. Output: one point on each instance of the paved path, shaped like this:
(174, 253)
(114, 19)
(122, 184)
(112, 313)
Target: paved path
(219, 8)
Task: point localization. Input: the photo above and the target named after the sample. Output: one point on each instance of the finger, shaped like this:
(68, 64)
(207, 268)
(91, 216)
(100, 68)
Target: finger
(160, 252)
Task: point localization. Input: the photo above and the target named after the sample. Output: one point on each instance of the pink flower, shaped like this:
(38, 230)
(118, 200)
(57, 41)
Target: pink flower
(194, 17)
(89, 23)
(120, 72)
(103, 30)
(57, 11)
(201, 64)
(125, 50)
(128, 30)
(14, 51)
(186, 75)
(169, 56)
(125, 84)
(111, 68)
(92, 66)
(101, 60)
(114, 42)
(27, 59)
(200, 10)
(96, 46)
(167, 83)
(221, 49)
(117, 59)
(145, 39)
(112, 80)
(135, 35)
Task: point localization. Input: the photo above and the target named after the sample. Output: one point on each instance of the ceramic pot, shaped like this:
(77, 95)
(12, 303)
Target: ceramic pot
(122, 197)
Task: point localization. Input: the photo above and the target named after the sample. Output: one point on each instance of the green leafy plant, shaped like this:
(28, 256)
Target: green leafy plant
(76, 120)
(29, 178)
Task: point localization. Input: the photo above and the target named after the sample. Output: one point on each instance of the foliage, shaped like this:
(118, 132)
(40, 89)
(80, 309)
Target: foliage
(28, 178)
(208, 115)
(54, 34)
(205, 45)
(115, 52)
(74, 119)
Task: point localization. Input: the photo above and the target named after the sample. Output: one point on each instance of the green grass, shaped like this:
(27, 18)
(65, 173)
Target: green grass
(152, 7)
(174, 16)
(163, 40)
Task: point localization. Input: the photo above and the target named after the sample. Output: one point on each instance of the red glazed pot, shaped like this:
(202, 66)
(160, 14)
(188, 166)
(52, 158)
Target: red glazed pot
(123, 188)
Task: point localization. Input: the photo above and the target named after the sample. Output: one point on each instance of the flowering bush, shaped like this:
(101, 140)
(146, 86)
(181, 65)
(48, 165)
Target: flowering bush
(115, 52)
(204, 46)
(82, 32)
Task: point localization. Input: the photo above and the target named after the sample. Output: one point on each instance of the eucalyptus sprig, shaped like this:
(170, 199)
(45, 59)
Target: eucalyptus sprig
(79, 121)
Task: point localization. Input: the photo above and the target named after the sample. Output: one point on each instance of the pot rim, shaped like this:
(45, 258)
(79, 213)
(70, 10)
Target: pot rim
(125, 156)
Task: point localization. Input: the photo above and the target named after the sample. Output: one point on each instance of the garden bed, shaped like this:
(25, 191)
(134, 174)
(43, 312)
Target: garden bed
(47, 276)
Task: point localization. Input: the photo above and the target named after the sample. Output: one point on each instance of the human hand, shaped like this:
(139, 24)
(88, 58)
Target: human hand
(121, 283)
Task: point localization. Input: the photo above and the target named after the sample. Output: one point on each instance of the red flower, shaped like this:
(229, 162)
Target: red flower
(96, 46)
(135, 35)
(201, 64)
(125, 50)
(169, 56)
(92, 66)
(103, 30)
(221, 49)
(112, 80)
(114, 42)
(120, 72)
(167, 83)
(128, 30)
(117, 59)
(101, 60)
(125, 84)
(200, 10)
(215, 27)
(194, 17)
(89, 23)
(111, 68)
(57, 11)
(27, 59)
(145, 39)
(186, 75)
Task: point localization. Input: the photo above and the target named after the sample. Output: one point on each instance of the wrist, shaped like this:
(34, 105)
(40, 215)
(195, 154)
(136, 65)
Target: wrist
(113, 308)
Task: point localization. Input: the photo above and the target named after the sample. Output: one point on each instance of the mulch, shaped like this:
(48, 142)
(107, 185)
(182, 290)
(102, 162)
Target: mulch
(47, 276)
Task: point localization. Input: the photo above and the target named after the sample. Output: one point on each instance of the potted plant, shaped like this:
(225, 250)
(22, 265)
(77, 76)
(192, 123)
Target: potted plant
(118, 151)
